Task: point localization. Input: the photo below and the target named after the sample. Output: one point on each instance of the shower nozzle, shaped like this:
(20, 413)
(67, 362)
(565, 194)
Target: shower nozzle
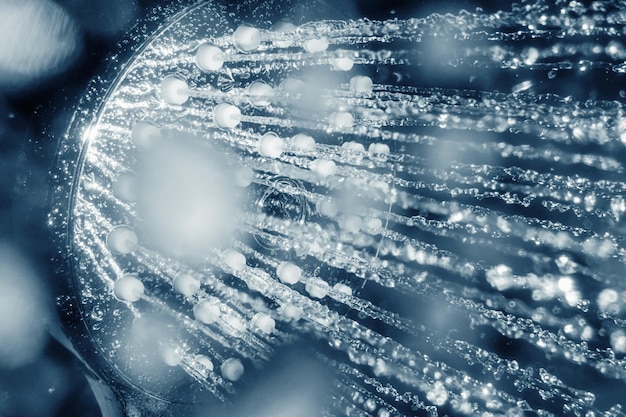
(411, 204)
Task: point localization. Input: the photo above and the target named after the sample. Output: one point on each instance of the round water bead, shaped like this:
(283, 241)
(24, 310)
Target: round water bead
(323, 167)
(234, 259)
(270, 145)
(122, 240)
(317, 288)
(342, 63)
(361, 84)
(315, 45)
(144, 134)
(289, 273)
(378, 149)
(355, 150)
(341, 119)
(260, 93)
(284, 27)
(342, 288)
(374, 225)
(170, 356)
(128, 288)
(226, 115)
(204, 361)
(292, 312)
(186, 284)
(327, 208)
(206, 365)
(209, 57)
(232, 369)
(174, 90)
(618, 341)
(247, 38)
(302, 142)
(351, 223)
(353, 146)
(207, 311)
(124, 187)
(264, 323)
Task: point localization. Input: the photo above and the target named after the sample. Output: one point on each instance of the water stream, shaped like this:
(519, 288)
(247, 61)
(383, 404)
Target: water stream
(437, 202)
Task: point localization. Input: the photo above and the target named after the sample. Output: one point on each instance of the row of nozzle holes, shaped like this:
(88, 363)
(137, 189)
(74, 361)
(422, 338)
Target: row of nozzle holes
(175, 91)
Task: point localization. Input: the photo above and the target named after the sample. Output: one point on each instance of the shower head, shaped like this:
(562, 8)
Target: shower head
(178, 187)
(255, 175)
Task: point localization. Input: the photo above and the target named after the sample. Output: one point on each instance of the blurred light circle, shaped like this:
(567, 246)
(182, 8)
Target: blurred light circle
(39, 40)
(24, 315)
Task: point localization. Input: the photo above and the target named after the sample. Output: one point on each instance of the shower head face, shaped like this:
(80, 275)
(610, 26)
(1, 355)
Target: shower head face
(258, 174)
(150, 191)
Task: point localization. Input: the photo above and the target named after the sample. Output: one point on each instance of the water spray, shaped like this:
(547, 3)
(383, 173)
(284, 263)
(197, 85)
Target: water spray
(256, 175)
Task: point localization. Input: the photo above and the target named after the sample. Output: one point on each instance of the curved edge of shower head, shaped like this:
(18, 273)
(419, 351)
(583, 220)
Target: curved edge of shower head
(115, 393)
(60, 147)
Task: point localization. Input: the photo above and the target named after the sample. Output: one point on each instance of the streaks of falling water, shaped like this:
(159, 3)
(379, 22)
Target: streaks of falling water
(459, 250)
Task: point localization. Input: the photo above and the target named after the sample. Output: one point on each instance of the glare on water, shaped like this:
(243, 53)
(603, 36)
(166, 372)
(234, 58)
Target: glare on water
(436, 204)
